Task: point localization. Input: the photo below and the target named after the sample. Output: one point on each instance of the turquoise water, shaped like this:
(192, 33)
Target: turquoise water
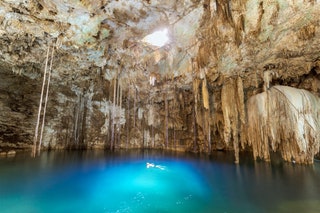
(154, 181)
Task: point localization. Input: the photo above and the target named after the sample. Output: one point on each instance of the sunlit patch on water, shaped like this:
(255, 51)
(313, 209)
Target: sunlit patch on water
(147, 186)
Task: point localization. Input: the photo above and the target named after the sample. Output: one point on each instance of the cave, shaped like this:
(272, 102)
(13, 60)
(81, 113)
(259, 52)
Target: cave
(160, 89)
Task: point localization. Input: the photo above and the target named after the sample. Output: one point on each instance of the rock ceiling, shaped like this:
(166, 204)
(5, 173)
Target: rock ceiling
(232, 38)
(218, 50)
(98, 36)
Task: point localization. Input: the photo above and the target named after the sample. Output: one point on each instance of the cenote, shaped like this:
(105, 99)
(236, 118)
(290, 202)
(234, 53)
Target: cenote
(154, 181)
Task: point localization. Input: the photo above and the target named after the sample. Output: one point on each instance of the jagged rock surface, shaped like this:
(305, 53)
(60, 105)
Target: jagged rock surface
(287, 120)
(110, 89)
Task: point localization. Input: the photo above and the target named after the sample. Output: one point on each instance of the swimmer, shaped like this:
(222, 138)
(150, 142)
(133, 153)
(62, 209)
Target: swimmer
(152, 165)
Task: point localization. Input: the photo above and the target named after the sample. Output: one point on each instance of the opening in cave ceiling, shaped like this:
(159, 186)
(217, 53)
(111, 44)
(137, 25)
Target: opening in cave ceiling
(158, 38)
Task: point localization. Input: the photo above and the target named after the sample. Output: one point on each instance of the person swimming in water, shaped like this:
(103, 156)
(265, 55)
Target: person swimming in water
(152, 165)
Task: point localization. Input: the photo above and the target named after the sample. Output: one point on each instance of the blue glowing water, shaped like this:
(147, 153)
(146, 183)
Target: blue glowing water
(153, 181)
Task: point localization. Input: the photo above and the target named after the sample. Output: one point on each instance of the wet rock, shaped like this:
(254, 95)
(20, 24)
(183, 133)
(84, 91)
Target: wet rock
(11, 153)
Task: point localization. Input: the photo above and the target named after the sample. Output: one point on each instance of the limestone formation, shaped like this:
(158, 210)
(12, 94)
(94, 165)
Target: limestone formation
(287, 120)
(111, 89)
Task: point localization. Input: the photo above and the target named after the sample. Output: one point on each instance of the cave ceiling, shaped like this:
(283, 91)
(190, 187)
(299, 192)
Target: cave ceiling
(105, 38)
(99, 37)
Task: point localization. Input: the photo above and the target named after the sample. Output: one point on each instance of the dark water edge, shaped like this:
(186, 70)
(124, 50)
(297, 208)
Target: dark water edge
(104, 181)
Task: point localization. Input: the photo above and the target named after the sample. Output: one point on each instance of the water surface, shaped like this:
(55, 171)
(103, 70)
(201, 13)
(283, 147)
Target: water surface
(154, 181)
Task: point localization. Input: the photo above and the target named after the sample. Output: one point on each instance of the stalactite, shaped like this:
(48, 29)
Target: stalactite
(128, 118)
(241, 111)
(79, 109)
(206, 113)
(284, 119)
(224, 9)
(196, 83)
(256, 80)
(118, 93)
(204, 125)
(267, 78)
(35, 140)
(152, 135)
(83, 122)
(110, 128)
(75, 127)
(194, 123)
(80, 122)
(46, 100)
(80, 116)
(205, 94)
(198, 113)
(151, 120)
(229, 104)
(134, 107)
(109, 138)
(166, 120)
(181, 101)
(67, 132)
(143, 139)
(236, 146)
(195, 86)
(113, 113)
(174, 126)
(120, 99)
(119, 116)
(209, 138)
(87, 116)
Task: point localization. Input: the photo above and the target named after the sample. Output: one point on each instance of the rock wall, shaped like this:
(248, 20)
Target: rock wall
(110, 90)
(17, 103)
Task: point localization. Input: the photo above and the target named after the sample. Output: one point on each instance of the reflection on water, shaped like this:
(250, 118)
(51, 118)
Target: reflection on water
(154, 181)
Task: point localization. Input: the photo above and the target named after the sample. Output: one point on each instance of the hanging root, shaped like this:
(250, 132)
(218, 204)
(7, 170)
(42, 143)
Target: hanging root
(35, 140)
(46, 77)
(46, 101)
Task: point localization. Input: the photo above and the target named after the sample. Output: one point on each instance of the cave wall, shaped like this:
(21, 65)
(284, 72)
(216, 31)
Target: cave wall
(17, 101)
(108, 91)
